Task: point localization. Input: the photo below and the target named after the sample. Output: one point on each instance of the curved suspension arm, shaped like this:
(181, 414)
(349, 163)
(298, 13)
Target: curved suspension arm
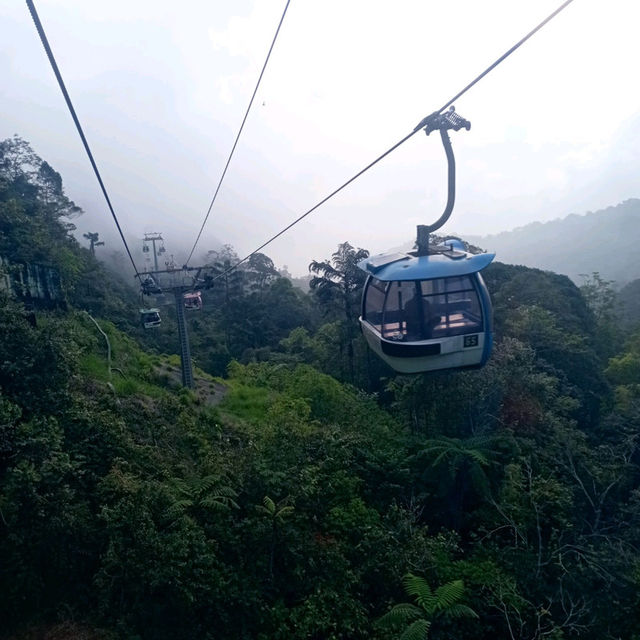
(442, 122)
(424, 230)
(451, 181)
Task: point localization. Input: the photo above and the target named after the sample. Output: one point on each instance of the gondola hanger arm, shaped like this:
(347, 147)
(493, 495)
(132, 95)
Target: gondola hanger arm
(442, 122)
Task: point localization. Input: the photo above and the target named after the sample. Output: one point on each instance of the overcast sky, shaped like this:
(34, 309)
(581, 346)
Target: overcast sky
(161, 87)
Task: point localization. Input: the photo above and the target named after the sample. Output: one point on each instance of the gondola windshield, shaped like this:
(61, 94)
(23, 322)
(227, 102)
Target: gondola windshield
(422, 310)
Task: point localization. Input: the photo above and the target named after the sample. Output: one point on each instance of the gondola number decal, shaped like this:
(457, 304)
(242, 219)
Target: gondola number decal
(471, 341)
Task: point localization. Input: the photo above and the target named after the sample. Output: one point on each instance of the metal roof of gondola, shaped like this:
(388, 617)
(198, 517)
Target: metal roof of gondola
(406, 266)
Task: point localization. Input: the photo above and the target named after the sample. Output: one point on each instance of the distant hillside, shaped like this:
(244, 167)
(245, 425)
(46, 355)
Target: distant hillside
(629, 301)
(605, 241)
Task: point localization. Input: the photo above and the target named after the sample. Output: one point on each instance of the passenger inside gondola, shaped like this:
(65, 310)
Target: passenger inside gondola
(415, 317)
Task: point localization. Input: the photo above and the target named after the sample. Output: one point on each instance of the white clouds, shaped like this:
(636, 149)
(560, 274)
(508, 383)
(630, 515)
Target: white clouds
(161, 90)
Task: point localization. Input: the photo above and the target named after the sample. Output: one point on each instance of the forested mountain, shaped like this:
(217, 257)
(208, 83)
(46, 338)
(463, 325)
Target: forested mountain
(602, 241)
(303, 490)
(629, 304)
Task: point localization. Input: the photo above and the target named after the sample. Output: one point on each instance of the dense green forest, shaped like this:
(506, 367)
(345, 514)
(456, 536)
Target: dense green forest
(303, 490)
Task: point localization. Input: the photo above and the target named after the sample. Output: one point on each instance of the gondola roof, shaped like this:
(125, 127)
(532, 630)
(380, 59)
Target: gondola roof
(406, 266)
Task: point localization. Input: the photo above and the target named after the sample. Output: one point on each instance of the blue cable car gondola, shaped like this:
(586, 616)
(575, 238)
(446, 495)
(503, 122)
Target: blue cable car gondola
(430, 312)
(430, 309)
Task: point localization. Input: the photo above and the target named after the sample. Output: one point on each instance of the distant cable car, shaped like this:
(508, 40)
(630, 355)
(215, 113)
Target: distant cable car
(430, 312)
(193, 301)
(149, 286)
(430, 309)
(150, 318)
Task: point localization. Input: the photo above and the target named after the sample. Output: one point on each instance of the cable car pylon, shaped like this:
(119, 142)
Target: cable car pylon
(185, 350)
(181, 283)
(153, 238)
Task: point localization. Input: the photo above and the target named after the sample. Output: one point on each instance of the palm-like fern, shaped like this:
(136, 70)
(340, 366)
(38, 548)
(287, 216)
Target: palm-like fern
(337, 282)
(340, 277)
(467, 462)
(207, 493)
(444, 602)
(276, 512)
(455, 451)
(472, 454)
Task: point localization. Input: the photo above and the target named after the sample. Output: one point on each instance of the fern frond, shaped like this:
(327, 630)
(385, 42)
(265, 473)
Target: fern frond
(481, 442)
(178, 508)
(419, 630)
(284, 511)
(218, 503)
(434, 447)
(478, 456)
(446, 453)
(448, 595)
(207, 483)
(227, 491)
(459, 611)
(419, 588)
(269, 505)
(399, 614)
(182, 487)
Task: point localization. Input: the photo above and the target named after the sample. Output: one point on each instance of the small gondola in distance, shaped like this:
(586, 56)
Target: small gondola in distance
(150, 318)
(193, 301)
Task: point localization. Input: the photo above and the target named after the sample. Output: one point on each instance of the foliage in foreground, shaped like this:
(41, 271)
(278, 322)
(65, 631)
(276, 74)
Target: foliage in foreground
(294, 506)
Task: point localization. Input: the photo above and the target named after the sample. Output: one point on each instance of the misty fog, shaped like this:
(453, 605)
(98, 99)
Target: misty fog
(161, 90)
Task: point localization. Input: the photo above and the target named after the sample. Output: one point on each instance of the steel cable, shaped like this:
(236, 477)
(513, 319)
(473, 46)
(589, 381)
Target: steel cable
(226, 166)
(56, 71)
(419, 127)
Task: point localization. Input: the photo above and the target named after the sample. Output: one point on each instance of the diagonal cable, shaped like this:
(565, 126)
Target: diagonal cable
(56, 71)
(419, 127)
(226, 166)
(506, 54)
(333, 193)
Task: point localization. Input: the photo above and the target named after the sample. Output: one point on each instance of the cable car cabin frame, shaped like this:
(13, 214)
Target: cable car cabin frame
(150, 318)
(428, 312)
(193, 301)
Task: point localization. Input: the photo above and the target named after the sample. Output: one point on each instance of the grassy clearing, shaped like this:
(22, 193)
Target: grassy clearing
(247, 403)
(135, 372)
(95, 367)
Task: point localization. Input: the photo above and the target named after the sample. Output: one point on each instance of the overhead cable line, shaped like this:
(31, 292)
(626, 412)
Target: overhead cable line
(56, 71)
(419, 127)
(233, 148)
(506, 54)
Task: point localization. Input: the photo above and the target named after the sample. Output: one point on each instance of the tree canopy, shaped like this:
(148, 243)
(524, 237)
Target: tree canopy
(303, 489)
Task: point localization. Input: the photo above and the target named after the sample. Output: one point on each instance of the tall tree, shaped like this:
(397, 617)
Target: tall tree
(603, 302)
(94, 241)
(337, 282)
(276, 514)
(227, 283)
(260, 271)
